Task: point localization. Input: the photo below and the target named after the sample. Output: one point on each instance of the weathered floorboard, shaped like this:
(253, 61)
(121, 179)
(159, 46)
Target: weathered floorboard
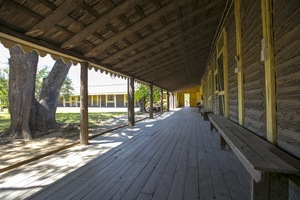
(174, 156)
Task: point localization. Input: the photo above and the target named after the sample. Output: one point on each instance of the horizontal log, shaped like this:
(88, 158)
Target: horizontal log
(287, 67)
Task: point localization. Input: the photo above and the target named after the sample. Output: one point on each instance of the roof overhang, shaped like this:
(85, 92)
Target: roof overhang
(164, 43)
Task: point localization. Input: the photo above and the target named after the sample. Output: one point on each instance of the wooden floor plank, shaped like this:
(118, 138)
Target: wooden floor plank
(178, 184)
(192, 182)
(165, 183)
(205, 161)
(172, 157)
(153, 181)
(156, 156)
(71, 182)
(140, 156)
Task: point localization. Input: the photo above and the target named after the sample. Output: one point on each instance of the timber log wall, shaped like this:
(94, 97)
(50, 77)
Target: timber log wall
(232, 77)
(286, 30)
(287, 64)
(254, 75)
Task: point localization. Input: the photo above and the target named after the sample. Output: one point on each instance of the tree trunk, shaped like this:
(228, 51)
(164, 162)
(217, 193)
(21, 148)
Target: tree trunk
(27, 114)
(22, 74)
(49, 96)
(141, 104)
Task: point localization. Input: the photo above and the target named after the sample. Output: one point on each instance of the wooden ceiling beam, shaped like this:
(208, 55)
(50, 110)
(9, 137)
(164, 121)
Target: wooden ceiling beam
(132, 29)
(100, 22)
(90, 10)
(175, 67)
(175, 38)
(171, 75)
(162, 66)
(51, 20)
(157, 34)
(156, 48)
(47, 4)
(148, 51)
(167, 71)
(178, 54)
(23, 9)
(146, 70)
(166, 53)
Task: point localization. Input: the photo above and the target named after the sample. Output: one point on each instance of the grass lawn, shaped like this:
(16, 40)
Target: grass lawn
(94, 118)
(4, 120)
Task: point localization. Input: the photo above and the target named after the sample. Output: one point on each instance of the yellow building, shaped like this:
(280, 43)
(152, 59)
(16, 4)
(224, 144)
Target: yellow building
(111, 95)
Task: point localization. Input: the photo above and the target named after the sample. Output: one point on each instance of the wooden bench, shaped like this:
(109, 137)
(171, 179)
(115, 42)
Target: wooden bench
(205, 113)
(268, 165)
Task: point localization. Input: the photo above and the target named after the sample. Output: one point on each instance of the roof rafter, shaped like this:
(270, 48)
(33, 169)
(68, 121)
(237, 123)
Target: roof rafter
(100, 22)
(49, 21)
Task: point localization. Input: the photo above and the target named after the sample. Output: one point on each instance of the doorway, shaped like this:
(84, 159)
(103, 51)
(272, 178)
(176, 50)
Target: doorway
(187, 99)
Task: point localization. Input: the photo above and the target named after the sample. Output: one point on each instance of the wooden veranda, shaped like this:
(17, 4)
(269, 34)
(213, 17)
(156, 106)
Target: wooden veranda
(174, 156)
(241, 56)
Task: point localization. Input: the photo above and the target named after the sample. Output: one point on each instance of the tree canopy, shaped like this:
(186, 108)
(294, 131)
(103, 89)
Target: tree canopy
(142, 92)
(142, 95)
(67, 88)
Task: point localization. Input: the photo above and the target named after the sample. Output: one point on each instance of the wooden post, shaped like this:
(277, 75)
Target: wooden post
(70, 101)
(106, 98)
(84, 131)
(100, 101)
(151, 101)
(239, 57)
(161, 101)
(222, 142)
(115, 100)
(168, 101)
(174, 100)
(130, 85)
(273, 186)
(125, 100)
(269, 60)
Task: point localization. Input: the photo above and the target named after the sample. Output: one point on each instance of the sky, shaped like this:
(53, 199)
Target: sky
(94, 78)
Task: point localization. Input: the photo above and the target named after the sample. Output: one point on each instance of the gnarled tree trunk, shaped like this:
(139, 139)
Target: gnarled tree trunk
(49, 96)
(28, 115)
(142, 104)
(22, 74)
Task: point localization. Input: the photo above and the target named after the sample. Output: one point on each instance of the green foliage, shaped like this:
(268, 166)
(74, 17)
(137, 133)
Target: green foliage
(40, 76)
(142, 92)
(4, 88)
(67, 88)
(156, 95)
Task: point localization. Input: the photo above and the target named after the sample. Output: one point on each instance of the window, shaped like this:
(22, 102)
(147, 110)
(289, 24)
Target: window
(110, 98)
(221, 75)
(216, 82)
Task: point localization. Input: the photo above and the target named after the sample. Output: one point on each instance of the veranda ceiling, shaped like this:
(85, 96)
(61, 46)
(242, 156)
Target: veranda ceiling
(163, 42)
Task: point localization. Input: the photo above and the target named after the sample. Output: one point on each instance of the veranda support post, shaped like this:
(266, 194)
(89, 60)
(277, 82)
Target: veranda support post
(84, 122)
(130, 91)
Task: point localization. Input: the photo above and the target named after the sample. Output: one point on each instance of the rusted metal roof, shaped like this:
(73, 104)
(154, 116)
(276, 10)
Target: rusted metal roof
(163, 42)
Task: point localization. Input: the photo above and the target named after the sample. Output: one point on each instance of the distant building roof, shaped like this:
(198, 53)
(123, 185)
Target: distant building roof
(104, 89)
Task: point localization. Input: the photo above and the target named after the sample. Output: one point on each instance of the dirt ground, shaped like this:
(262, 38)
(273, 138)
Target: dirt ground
(16, 151)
